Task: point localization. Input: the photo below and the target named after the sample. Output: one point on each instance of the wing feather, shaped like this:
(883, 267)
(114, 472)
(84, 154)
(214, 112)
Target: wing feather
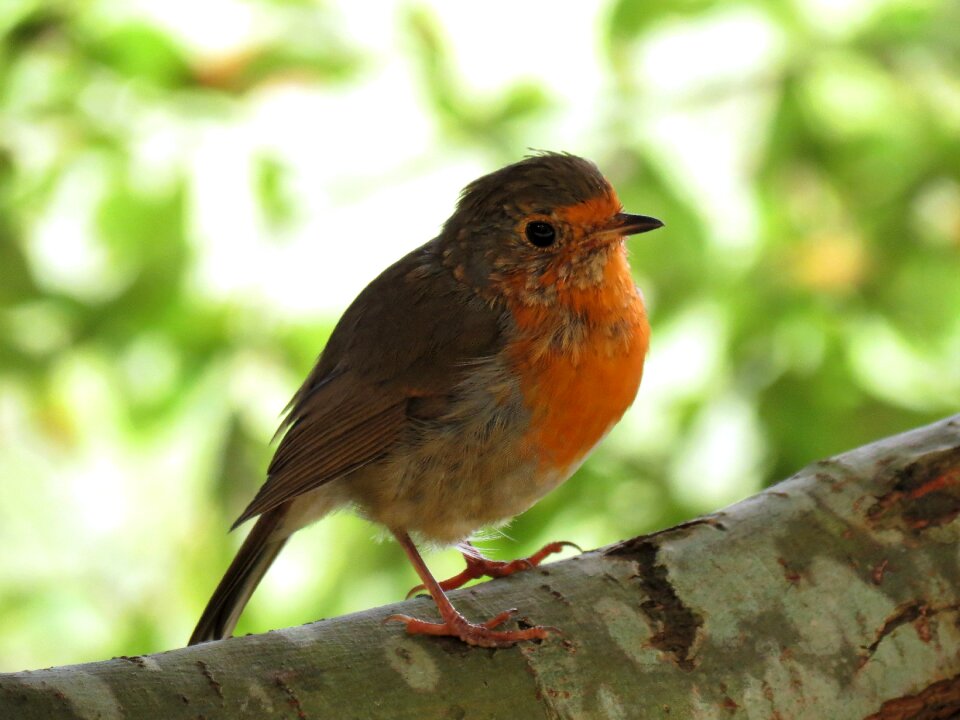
(321, 447)
(408, 338)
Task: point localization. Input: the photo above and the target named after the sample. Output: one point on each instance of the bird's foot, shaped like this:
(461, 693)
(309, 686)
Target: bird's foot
(479, 566)
(480, 635)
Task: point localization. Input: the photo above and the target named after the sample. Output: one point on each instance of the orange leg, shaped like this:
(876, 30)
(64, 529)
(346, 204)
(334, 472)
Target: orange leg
(479, 566)
(453, 623)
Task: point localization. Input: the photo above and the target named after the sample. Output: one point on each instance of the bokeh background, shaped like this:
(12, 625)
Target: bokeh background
(191, 192)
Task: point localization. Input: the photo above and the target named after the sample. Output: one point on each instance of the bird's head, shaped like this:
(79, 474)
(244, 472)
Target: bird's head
(551, 220)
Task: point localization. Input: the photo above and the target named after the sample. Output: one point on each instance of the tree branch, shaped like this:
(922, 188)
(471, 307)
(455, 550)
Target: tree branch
(834, 594)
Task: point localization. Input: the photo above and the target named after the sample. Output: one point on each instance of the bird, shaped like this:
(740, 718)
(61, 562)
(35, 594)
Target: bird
(465, 382)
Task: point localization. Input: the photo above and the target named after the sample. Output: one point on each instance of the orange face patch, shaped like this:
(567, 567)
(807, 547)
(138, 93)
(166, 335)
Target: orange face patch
(577, 390)
(591, 213)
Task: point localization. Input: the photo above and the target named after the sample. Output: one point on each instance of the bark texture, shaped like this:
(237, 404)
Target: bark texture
(834, 594)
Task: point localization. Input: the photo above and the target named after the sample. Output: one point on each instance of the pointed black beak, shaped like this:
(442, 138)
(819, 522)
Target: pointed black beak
(627, 224)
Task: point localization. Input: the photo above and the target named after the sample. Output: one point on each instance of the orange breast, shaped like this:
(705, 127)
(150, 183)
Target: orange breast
(578, 382)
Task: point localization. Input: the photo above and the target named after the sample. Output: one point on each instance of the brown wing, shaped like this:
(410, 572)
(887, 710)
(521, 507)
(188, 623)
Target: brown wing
(410, 335)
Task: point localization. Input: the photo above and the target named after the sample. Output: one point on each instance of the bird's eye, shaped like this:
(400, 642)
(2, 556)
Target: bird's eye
(542, 234)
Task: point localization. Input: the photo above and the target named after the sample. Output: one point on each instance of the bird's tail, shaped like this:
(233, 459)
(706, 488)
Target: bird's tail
(246, 571)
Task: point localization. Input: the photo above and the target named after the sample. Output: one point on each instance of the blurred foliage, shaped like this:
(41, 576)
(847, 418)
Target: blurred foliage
(136, 403)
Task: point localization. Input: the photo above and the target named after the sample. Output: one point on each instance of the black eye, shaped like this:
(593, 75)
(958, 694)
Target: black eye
(541, 234)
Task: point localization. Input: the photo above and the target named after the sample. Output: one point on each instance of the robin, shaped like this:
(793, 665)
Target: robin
(469, 379)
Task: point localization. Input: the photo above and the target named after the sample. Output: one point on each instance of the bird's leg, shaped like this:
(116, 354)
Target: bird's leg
(454, 624)
(478, 566)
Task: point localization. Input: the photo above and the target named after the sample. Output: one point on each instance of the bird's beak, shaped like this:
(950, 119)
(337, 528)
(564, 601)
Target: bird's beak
(626, 224)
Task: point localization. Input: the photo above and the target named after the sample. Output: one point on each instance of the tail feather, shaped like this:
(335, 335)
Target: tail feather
(246, 571)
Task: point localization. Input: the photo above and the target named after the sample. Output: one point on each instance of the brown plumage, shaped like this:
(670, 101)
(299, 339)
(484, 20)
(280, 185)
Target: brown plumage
(429, 409)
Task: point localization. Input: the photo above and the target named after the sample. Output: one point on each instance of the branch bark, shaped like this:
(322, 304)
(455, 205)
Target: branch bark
(834, 594)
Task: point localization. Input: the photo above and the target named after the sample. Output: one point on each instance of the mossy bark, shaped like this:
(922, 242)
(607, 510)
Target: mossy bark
(834, 594)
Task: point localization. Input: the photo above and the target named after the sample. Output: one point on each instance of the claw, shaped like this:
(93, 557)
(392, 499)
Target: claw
(499, 619)
(414, 590)
(452, 623)
(480, 635)
(478, 567)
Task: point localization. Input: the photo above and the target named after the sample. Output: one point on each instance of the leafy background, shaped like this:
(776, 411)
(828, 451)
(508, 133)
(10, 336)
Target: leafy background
(190, 193)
